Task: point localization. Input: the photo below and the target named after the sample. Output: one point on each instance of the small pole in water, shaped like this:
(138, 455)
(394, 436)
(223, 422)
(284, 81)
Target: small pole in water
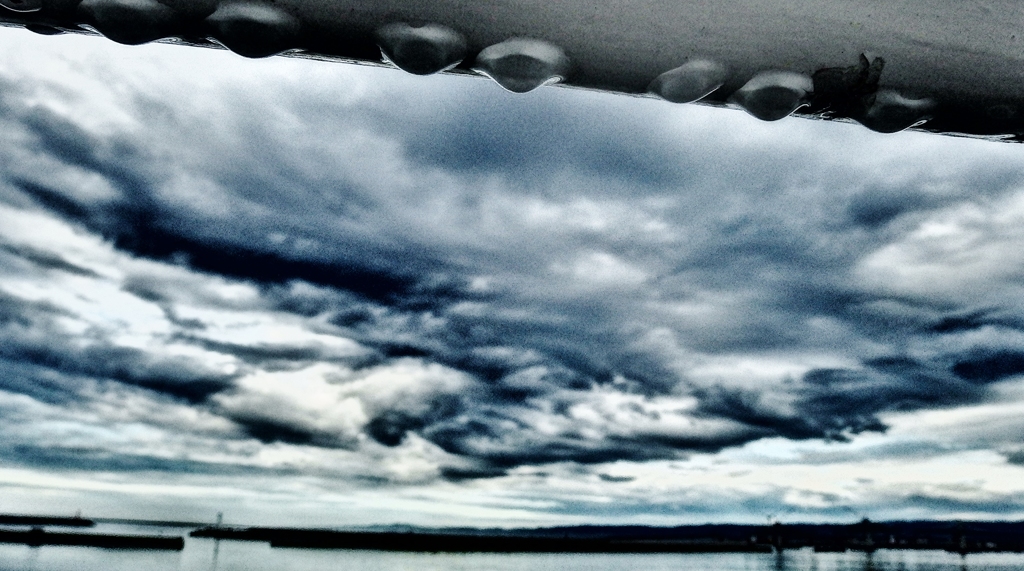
(216, 542)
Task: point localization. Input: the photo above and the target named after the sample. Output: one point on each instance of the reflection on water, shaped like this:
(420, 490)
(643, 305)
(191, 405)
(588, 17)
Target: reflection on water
(214, 555)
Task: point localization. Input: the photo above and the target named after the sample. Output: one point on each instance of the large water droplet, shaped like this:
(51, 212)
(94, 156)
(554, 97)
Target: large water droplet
(523, 64)
(254, 29)
(690, 81)
(130, 22)
(891, 112)
(421, 50)
(772, 95)
(22, 5)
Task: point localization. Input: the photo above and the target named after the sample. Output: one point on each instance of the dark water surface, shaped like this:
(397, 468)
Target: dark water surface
(211, 555)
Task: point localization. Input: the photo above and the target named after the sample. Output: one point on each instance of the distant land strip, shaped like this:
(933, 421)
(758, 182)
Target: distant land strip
(443, 542)
(958, 537)
(954, 536)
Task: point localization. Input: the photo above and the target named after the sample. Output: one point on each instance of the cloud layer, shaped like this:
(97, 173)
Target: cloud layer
(220, 268)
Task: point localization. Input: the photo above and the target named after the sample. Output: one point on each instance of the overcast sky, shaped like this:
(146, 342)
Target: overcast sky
(307, 293)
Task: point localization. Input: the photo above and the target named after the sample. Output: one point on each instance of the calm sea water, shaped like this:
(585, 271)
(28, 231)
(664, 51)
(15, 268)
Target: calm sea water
(211, 555)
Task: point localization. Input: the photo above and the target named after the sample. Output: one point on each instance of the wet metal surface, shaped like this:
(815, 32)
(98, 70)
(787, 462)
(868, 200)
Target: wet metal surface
(952, 65)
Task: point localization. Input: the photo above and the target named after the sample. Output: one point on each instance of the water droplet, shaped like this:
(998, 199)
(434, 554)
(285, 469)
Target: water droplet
(253, 29)
(891, 112)
(522, 64)
(22, 5)
(772, 95)
(130, 22)
(690, 81)
(421, 50)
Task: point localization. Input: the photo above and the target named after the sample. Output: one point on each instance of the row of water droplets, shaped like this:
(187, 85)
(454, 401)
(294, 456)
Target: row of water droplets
(258, 29)
(252, 29)
(523, 64)
(517, 64)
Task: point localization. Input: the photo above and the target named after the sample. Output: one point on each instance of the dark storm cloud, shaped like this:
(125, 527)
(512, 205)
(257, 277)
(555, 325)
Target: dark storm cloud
(967, 322)
(774, 237)
(879, 204)
(140, 224)
(30, 342)
(40, 383)
(992, 367)
(615, 479)
(826, 410)
(496, 450)
(901, 451)
(876, 207)
(15, 311)
(52, 199)
(888, 383)
(709, 506)
(1016, 458)
(994, 504)
(272, 358)
(390, 426)
(46, 260)
(346, 308)
(493, 346)
(179, 378)
(270, 431)
(499, 439)
(94, 459)
(18, 372)
(524, 139)
(837, 403)
(492, 424)
(118, 159)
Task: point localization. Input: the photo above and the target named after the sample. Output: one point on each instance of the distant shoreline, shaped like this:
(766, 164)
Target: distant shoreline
(867, 536)
(455, 543)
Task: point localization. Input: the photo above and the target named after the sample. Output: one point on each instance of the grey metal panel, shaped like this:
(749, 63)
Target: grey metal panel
(959, 63)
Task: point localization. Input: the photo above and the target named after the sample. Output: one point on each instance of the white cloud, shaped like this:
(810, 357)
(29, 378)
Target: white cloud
(964, 253)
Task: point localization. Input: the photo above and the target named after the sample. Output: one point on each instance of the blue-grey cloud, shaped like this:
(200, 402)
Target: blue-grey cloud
(90, 459)
(179, 378)
(46, 260)
(991, 367)
(568, 258)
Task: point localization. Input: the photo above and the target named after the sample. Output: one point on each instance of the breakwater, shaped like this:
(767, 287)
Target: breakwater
(455, 543)
(36, 520)
(865, 536)
(37, 537)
